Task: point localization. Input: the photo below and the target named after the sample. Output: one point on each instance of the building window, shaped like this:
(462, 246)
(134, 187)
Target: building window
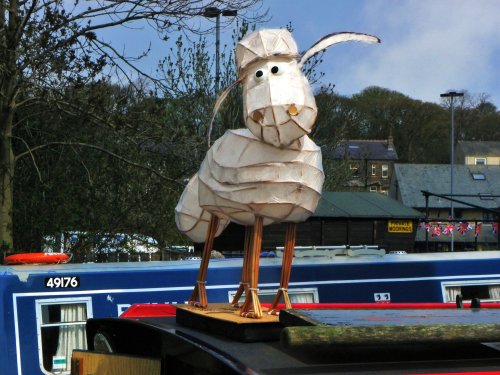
(480, 161)
(385, 170)
(373, 189)
(374, 169)
(61, 328)
(354, 169)
(486, 197)
(478, 176)
(488, 215)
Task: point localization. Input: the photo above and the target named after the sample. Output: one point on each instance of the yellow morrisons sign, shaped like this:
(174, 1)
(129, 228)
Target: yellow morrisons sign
(400, 226)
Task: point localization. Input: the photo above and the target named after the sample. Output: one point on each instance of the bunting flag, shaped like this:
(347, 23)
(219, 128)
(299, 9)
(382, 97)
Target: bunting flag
(478, 229)
(425, 226)
(448, 229)
(464, 227)
(437, 228)
(436, 231)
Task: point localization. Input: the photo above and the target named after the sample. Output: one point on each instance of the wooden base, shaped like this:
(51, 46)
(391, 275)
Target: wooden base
(224, 319)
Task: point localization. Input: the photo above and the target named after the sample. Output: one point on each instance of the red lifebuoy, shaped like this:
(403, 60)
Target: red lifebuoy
(37, 258)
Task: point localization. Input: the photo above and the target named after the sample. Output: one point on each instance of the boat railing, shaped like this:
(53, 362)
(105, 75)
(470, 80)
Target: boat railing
(332, 251)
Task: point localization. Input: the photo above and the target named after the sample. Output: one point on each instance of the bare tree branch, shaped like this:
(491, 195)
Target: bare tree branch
(101, 149)
(30, 153)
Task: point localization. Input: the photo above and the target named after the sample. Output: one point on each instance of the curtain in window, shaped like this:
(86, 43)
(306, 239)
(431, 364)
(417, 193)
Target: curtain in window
(452, 292)
(72, 336)
(301, 297)
(495, 292)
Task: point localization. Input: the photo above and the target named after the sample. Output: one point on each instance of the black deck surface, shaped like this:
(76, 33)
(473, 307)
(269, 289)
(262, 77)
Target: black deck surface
(271, 358)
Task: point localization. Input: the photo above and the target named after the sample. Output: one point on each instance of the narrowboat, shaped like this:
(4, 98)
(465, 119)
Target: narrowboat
(45, 307)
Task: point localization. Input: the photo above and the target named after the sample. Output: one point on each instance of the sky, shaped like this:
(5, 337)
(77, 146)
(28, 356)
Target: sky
(428, 46)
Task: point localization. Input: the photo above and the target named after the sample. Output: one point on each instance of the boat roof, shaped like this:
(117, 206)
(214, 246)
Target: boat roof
(24, 271)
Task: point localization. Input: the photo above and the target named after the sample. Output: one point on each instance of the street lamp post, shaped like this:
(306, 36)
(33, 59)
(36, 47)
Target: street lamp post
(452, 94)
(214, 12)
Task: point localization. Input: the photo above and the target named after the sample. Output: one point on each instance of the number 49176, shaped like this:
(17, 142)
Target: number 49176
(62, 282)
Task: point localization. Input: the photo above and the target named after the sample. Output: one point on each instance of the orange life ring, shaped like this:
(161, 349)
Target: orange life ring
(37, 258)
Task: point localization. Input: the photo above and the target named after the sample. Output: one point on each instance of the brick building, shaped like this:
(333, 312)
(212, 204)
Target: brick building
(371, 162)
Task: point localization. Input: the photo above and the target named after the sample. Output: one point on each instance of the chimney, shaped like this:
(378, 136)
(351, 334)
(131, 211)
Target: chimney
(390, 143)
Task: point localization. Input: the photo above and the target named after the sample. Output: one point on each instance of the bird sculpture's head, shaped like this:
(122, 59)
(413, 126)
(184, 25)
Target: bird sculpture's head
(279, 105)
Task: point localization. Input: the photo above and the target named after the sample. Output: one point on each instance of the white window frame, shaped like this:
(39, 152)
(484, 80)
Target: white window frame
(39, 303)
(450, 284)
(385, 170)
(480, 161)
(373, 189)
(374, 169)
(271, 292)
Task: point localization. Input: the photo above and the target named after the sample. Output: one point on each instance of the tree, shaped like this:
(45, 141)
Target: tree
(335, 118)
(415, 125)
(47, 46)
(477, 119)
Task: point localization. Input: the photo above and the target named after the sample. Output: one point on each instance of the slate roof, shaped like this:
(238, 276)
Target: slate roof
(435, 178)
(371, 149)
(363, 205)
(483, 148)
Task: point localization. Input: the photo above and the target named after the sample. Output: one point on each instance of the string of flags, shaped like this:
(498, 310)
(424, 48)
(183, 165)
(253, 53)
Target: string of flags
(438, 228)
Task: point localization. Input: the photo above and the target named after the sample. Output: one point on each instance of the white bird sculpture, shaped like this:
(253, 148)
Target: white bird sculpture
(267, 173)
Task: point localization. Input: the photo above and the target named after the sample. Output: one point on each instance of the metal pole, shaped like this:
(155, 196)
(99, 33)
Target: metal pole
(426, 222)
(214, 12)
(452, 166)
(451, 95)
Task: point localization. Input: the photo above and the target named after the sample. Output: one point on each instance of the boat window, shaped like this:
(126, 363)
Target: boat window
(488, 291)
(299, 295)
(61, 328)
(475, 291)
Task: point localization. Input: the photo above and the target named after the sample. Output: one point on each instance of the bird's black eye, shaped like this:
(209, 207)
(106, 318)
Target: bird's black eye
(274, 69)
(259, 73)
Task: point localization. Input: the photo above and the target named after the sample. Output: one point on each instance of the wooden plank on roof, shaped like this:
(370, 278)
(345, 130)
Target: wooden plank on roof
(317, 327)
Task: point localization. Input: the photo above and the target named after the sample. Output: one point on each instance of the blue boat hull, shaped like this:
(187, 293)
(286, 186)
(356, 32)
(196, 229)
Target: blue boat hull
(109, 289)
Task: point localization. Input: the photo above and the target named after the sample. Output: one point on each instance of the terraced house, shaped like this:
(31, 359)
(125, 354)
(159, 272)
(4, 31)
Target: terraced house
(371, 162)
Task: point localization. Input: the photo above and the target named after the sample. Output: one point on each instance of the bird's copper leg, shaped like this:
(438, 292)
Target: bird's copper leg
(251, 307)
(199, 294)
(245, 273)
(286, 267)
